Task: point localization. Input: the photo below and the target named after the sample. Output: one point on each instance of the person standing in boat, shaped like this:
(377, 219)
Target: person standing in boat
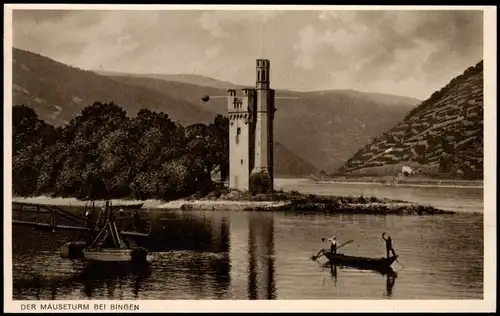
(136, 224)
(388, 244)
(88, 217)
(333, 244)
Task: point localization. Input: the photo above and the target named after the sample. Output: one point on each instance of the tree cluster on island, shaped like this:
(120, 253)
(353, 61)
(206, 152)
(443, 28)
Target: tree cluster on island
(102, 153)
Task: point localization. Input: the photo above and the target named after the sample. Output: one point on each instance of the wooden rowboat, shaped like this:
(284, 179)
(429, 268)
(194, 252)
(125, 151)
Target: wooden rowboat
(380, 264)
(115, 255)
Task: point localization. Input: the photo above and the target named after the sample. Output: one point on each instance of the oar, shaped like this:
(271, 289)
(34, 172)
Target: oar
(347, 242)
(320, 253)
(342, 245)
(400, 263)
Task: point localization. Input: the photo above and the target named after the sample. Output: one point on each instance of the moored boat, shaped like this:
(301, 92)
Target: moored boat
(115, 255)
(109, 246)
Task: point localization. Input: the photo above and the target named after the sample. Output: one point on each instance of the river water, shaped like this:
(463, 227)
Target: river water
(246, 255)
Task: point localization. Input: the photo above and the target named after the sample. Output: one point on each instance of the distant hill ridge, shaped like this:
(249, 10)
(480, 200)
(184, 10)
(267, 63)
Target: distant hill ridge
(327, 126)
(59, 92)
(318, 131)
(444, 134)
(183, 78)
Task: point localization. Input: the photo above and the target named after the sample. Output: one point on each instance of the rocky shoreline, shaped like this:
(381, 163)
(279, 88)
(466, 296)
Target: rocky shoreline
(298, 202)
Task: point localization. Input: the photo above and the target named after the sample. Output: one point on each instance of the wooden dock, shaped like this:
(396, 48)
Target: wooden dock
(47, 216)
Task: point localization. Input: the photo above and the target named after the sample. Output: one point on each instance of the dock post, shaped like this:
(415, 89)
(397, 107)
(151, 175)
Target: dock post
(37, 214)
(53, 220)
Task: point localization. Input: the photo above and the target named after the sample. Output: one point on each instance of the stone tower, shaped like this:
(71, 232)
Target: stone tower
(241, 134)
(251, 134)
(263, 166)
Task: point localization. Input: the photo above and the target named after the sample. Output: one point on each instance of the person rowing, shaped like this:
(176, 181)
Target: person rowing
(333, 247)
(388, 244)
(333, 244)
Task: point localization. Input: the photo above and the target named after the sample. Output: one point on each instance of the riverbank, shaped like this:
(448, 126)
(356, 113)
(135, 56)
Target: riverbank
(404, 182)
(278, 201)
(74, 202)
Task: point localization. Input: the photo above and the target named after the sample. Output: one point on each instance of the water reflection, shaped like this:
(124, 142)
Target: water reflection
(333, 271)
(390, 276)
(111, 276)
(90, 277)
(391, 280)
(189, 231)
(261, 283)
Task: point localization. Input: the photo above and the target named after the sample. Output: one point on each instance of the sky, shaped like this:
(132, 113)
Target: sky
(408, 53)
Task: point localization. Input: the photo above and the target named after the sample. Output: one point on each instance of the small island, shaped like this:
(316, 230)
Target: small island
(293, 201)
(277, 201)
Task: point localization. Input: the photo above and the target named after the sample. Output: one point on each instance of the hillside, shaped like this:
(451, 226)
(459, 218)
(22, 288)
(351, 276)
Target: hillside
(180, 78)
(321, 127)
(329, 126)
(443, 135)
(287, 160)
(59, 92)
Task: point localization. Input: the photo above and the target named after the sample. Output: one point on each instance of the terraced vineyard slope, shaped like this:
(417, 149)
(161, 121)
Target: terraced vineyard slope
(443, 135)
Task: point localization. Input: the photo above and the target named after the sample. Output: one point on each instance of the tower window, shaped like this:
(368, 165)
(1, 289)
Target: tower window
(238, 132)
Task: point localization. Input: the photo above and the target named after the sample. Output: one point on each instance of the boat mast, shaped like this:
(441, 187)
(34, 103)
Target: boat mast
(109, 228)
